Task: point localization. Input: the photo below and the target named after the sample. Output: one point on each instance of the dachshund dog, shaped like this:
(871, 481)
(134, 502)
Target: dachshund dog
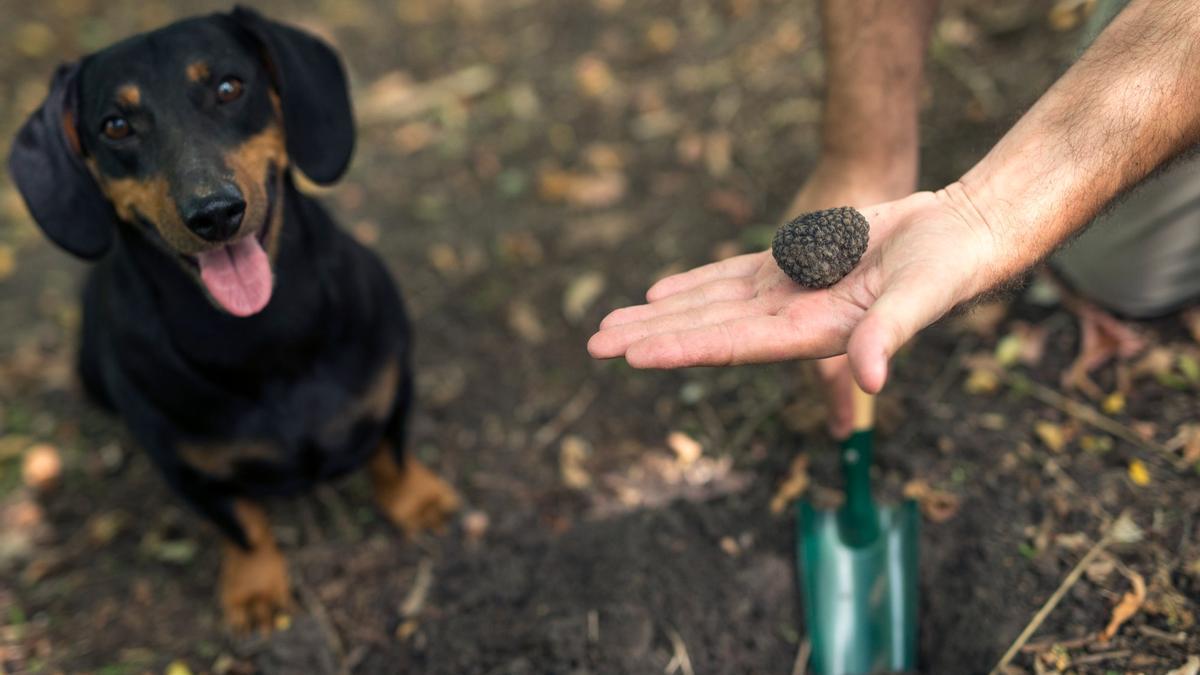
(250, 345)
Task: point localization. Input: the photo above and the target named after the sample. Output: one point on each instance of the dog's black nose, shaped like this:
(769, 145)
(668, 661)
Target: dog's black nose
(214, 217)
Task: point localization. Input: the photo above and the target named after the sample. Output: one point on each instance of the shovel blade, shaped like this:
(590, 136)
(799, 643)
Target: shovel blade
(860, 597)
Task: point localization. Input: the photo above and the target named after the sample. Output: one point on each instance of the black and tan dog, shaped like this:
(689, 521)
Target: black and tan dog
(250, 345)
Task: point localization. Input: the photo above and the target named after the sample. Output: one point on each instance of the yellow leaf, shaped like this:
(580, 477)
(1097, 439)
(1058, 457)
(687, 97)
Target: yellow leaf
(1114, 403)
(178, 668)
(8, 261)
(1138, 473)
(1008, 350)
(1051, 435)
(982, 381)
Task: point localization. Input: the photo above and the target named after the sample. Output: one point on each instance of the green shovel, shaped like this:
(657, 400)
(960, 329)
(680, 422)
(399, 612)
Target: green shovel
(858, 570)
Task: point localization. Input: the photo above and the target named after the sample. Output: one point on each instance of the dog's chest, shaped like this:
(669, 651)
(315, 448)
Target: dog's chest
(301, 432)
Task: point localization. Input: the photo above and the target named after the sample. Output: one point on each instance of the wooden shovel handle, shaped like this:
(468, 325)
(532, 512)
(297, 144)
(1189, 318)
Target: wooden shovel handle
(864, 410)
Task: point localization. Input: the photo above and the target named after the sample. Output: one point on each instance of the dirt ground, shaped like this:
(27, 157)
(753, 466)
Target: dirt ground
(523, 167)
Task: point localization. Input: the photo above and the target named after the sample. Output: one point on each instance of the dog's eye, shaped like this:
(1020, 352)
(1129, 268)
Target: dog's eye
(229, 89)
(116, 128)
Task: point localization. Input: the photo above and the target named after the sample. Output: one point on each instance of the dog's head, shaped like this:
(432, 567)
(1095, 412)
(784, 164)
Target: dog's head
(186, 133)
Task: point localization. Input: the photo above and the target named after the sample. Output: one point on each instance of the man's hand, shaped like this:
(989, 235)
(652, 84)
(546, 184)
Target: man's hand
(925, 256)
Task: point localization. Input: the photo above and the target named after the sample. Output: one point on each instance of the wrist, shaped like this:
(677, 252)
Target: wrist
(989, 253)
(860, 178)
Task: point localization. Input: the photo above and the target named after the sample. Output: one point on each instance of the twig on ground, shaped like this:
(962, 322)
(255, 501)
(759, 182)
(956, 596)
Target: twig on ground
(1153, 633)
(1100, 657)
(680, 661)
(568, 415)
(1042, 645)
(1120, 529)
(353, 659)
(1085, 413)
(320, 613)
(414, 602)
(339, 512)
(800, 665)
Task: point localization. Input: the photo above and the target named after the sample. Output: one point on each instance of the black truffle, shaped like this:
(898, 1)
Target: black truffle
(817, 249)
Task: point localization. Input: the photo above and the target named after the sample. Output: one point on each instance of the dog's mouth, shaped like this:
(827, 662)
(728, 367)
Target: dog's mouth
(238, 275)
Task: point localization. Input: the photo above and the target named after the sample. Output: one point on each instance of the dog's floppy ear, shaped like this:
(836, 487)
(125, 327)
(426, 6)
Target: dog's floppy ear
(46, 163)
(311, 82)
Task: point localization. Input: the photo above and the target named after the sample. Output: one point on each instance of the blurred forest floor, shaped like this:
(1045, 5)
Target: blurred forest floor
(523, 167)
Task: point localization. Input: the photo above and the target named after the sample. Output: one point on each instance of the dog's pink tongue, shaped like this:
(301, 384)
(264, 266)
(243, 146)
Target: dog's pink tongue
(238, 276)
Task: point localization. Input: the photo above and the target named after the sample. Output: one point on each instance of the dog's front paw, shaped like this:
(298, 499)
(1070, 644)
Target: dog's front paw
(413, 497)
(254, 588)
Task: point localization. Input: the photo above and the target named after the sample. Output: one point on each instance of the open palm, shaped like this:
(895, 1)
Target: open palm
(924, 257)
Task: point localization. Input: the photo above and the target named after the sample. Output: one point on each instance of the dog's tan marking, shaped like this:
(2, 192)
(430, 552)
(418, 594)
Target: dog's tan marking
(220, 460)
(254, 588)
(197, 71)
(129, 96)
(71, 132)
(411, 496)
(249, 163)
(149, 198)
(375, 402)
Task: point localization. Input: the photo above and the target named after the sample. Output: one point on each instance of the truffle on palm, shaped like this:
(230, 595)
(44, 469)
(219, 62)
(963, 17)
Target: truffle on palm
(819, 248)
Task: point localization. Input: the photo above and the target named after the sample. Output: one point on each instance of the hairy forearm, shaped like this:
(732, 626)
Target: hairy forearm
(875, 51)
(1131, 103)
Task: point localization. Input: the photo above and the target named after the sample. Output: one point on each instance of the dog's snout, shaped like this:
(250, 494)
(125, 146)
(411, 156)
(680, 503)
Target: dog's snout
(215, 217)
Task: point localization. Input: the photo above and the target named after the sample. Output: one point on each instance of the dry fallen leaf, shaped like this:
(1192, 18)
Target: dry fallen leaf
(444, 259)
(1191, 319)
(523, 320)
(718, 153)
(981, 381)
(687, 449)
(33, 39)
(662, 35)
(8, 261)
(733, 205)
(581, 294)
(1129, 605)
(938, 506)
(593, 76)
(983, 320)
(572, 455)
(1067, 14)
(793, 486)
(1187, 441)
(1191, 667)
(1051, 435)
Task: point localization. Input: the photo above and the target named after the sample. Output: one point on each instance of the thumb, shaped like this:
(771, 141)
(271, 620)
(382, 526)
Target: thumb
(901, 310)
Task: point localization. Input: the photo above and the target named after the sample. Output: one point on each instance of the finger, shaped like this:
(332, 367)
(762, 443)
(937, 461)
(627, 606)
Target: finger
(737, 266)
(612, 342)
(759, 339)
(892, 320)
(722, 290)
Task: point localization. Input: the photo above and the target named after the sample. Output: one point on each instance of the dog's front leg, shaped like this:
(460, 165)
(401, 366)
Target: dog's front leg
(254, 589)
(412, 496)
